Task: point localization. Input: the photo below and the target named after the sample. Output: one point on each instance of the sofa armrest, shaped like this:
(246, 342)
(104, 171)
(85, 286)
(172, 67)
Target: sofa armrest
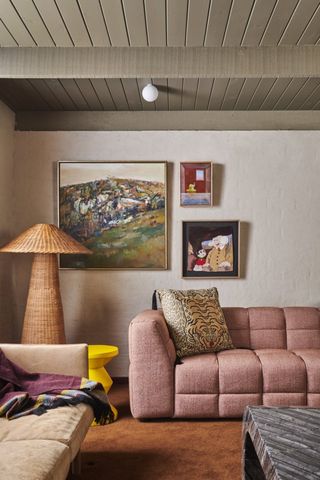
(151, 373)
(64, 359)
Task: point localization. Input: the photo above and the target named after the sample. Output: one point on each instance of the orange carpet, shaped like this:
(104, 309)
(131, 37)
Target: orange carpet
(161, 450)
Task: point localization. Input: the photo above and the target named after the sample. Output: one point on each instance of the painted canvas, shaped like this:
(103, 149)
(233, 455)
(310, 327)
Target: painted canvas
(210, 249)
(117, 210)
(195, 184)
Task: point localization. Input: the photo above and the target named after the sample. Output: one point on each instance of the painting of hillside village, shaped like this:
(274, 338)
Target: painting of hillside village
(117, 210)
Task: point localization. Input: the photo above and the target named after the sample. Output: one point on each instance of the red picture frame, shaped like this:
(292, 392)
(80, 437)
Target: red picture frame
(195, 184)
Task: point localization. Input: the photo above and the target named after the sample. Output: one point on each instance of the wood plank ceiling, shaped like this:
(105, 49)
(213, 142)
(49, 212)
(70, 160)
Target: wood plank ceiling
(160, 23)
(176, 94)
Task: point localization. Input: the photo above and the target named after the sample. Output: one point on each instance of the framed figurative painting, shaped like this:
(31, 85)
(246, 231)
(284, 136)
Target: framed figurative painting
(210, 249)
(116, 209)
(195, 184)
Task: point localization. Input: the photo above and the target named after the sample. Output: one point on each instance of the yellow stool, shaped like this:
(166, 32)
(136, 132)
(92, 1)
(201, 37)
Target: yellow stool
(99, 356)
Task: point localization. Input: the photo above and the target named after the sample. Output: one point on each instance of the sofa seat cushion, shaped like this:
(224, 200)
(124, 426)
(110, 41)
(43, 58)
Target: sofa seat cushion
(311, 359)
(67, 425)
(204, 405)
(239, 372)
(284, 399)
(36, 459)
(198, 374)
(282, 371)
(232, 405)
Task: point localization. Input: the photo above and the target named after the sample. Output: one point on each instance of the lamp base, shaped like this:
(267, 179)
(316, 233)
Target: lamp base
(43, 319)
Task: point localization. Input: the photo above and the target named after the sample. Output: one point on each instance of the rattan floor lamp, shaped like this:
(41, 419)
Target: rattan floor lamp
(43, 319)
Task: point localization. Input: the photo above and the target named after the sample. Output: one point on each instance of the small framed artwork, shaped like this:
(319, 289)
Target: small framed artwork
(196, 184)
(116, 209)
(211, 249)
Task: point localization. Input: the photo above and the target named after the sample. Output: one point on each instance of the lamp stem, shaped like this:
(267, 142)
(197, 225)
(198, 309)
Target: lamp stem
(43, 319)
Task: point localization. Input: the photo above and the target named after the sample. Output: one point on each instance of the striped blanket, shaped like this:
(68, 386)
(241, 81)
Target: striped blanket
(23, 393)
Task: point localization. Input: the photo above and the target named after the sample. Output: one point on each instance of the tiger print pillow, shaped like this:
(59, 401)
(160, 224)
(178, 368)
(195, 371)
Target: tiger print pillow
(195, 320)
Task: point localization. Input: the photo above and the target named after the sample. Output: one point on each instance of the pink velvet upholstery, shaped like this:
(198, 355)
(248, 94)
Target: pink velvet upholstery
(233, 405)
(283, 371)
(152, 356)
(239, 372)
(302, 328)
(276, 362)
(237, 320)
(267, 328)
(311, 359)
(198, 374)
(196, 406)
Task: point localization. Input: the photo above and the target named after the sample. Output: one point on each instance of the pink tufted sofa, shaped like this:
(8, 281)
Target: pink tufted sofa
(276, 362)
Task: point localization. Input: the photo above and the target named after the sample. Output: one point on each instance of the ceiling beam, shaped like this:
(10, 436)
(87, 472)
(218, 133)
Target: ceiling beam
(151, 120)
(155, 62)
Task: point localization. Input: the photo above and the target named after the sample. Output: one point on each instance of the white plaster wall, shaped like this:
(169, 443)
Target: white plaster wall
(7, 119)
(269, 180)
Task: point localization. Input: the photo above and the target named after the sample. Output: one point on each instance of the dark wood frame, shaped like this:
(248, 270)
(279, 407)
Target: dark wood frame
(206, 229)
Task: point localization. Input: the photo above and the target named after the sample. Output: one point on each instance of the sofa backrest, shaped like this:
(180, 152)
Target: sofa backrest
(66, 359)
(269, 327)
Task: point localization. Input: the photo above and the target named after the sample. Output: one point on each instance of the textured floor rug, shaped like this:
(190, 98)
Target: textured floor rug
(161, 450)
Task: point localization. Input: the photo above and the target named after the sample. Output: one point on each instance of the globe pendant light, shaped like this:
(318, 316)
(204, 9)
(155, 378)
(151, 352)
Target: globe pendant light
(150, 93)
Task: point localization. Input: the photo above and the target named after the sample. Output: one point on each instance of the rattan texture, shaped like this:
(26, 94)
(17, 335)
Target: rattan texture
(45, 238)
(43, 319)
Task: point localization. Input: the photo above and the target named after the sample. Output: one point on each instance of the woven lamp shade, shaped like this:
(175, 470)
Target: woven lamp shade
(43, 319)
(44, 238)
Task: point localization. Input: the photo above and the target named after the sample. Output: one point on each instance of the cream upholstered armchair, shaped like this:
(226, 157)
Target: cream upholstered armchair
(44, 446)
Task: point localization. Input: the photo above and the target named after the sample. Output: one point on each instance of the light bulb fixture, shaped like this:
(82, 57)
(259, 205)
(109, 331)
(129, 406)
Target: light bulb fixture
(150, 93)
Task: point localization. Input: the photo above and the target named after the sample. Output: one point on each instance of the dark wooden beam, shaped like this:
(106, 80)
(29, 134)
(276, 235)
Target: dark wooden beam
(151, 120)
(164, 62)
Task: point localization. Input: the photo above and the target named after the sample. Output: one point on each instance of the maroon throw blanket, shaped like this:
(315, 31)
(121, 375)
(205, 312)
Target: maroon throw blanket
(22, 392)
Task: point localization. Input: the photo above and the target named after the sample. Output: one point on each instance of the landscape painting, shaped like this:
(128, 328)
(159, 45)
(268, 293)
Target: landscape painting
(117, 210)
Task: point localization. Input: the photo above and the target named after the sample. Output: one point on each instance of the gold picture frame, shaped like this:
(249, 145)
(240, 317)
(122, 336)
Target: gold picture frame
(116, 209)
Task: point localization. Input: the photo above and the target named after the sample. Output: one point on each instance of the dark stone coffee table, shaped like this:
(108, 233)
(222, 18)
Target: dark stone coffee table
(281, 443)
